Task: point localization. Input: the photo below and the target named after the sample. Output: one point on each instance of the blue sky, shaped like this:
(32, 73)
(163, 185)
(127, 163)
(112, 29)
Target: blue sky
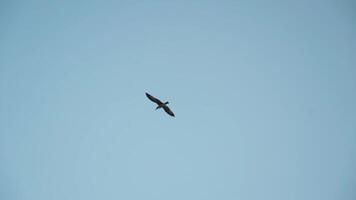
(263, 92)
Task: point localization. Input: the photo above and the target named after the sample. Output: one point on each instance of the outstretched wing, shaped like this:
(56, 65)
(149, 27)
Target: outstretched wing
(152, 98)
(166, 108)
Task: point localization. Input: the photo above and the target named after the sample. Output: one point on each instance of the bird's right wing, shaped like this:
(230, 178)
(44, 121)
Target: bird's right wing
(154, 99)
(168, 111)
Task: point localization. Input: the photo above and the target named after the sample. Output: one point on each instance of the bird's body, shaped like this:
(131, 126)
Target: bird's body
(160, 104)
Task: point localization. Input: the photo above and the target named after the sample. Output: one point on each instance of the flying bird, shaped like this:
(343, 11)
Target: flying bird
(160, 104)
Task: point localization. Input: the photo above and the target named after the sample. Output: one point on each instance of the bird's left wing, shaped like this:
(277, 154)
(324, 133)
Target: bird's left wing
(154, 99)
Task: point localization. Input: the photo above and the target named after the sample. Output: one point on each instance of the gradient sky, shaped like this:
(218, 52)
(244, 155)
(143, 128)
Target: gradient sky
(264, 94)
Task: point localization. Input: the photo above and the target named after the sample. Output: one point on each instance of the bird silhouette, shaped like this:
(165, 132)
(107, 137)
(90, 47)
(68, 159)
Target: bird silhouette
(160, 104)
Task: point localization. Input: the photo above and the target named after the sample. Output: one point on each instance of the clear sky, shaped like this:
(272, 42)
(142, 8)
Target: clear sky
(264, 94)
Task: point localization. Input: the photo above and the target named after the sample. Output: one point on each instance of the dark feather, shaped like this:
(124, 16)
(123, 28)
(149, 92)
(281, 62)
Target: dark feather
(166, 108)
(152, 98)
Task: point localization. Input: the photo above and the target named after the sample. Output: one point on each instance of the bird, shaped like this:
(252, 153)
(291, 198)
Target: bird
(160, 104)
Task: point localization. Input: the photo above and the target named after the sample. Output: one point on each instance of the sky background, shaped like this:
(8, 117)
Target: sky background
(264, 94)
